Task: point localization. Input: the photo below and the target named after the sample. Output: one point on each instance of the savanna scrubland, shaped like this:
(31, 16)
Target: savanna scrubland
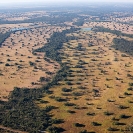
(66, 69)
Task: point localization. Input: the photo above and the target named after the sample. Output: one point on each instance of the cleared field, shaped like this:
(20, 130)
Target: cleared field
(96, 95)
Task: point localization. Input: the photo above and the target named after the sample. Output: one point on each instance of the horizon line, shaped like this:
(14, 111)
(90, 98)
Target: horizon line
(65, 2)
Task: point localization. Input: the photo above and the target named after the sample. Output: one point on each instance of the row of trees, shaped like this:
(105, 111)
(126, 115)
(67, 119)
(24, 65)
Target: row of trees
(3, 37)
(116, 32)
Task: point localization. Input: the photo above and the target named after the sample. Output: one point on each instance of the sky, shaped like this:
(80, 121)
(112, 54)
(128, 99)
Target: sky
(62, 1)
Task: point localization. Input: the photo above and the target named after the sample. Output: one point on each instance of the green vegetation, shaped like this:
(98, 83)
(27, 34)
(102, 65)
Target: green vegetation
(55, 43)
(116, 32)
(92, 82)
(78, 125)
(3, 37)
(123, 45)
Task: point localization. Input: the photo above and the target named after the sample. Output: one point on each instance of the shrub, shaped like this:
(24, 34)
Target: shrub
(119, 123)
(78, 125)
(77, 93)
(123, 116)
(60, 99)
(42, 101)
(53, 129)
(127, 94)
(115, 119)
(71, 111)
(111, 100)
(123, 107)
(57, 121)
(66, 90)
(108, 113)
(42, 79)
(130, 89)
(84, 131)
(113, 129)
(69, 104)
(91, 114)
(31, 63)
(49, 108)
(96, 124)
(7, 64)
(130, 84)
(8, 60)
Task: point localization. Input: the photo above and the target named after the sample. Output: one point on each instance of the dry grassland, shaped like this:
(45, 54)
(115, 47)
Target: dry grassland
(125, 19)
(96, 93)
(7, 27)
(22, 16)
(19, 67)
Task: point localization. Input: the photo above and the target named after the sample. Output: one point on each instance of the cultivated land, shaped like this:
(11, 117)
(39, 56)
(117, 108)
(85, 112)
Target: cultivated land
(67, 79)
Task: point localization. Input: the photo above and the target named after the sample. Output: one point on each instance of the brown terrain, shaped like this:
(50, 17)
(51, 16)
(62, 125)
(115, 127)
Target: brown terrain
(16, 56)
(95, 96)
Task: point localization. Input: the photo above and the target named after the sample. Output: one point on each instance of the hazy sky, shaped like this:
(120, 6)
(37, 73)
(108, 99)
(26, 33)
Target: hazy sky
(55, 1)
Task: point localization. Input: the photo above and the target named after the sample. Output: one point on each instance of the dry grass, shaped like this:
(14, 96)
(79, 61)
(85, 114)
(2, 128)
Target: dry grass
(17, 52)
(101, 82)
(22, 16)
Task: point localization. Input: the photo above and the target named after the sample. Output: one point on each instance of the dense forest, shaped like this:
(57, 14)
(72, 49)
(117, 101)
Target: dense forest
(123, 45)
(3, 37)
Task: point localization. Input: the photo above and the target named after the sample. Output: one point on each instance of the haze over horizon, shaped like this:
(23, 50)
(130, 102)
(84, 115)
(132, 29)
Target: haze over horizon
(62, 1)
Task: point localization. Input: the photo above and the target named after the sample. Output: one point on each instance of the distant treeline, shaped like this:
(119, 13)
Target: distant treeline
(21, 111)
(51, 19)
(64, 13)
(79, 22)
(116, 32)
